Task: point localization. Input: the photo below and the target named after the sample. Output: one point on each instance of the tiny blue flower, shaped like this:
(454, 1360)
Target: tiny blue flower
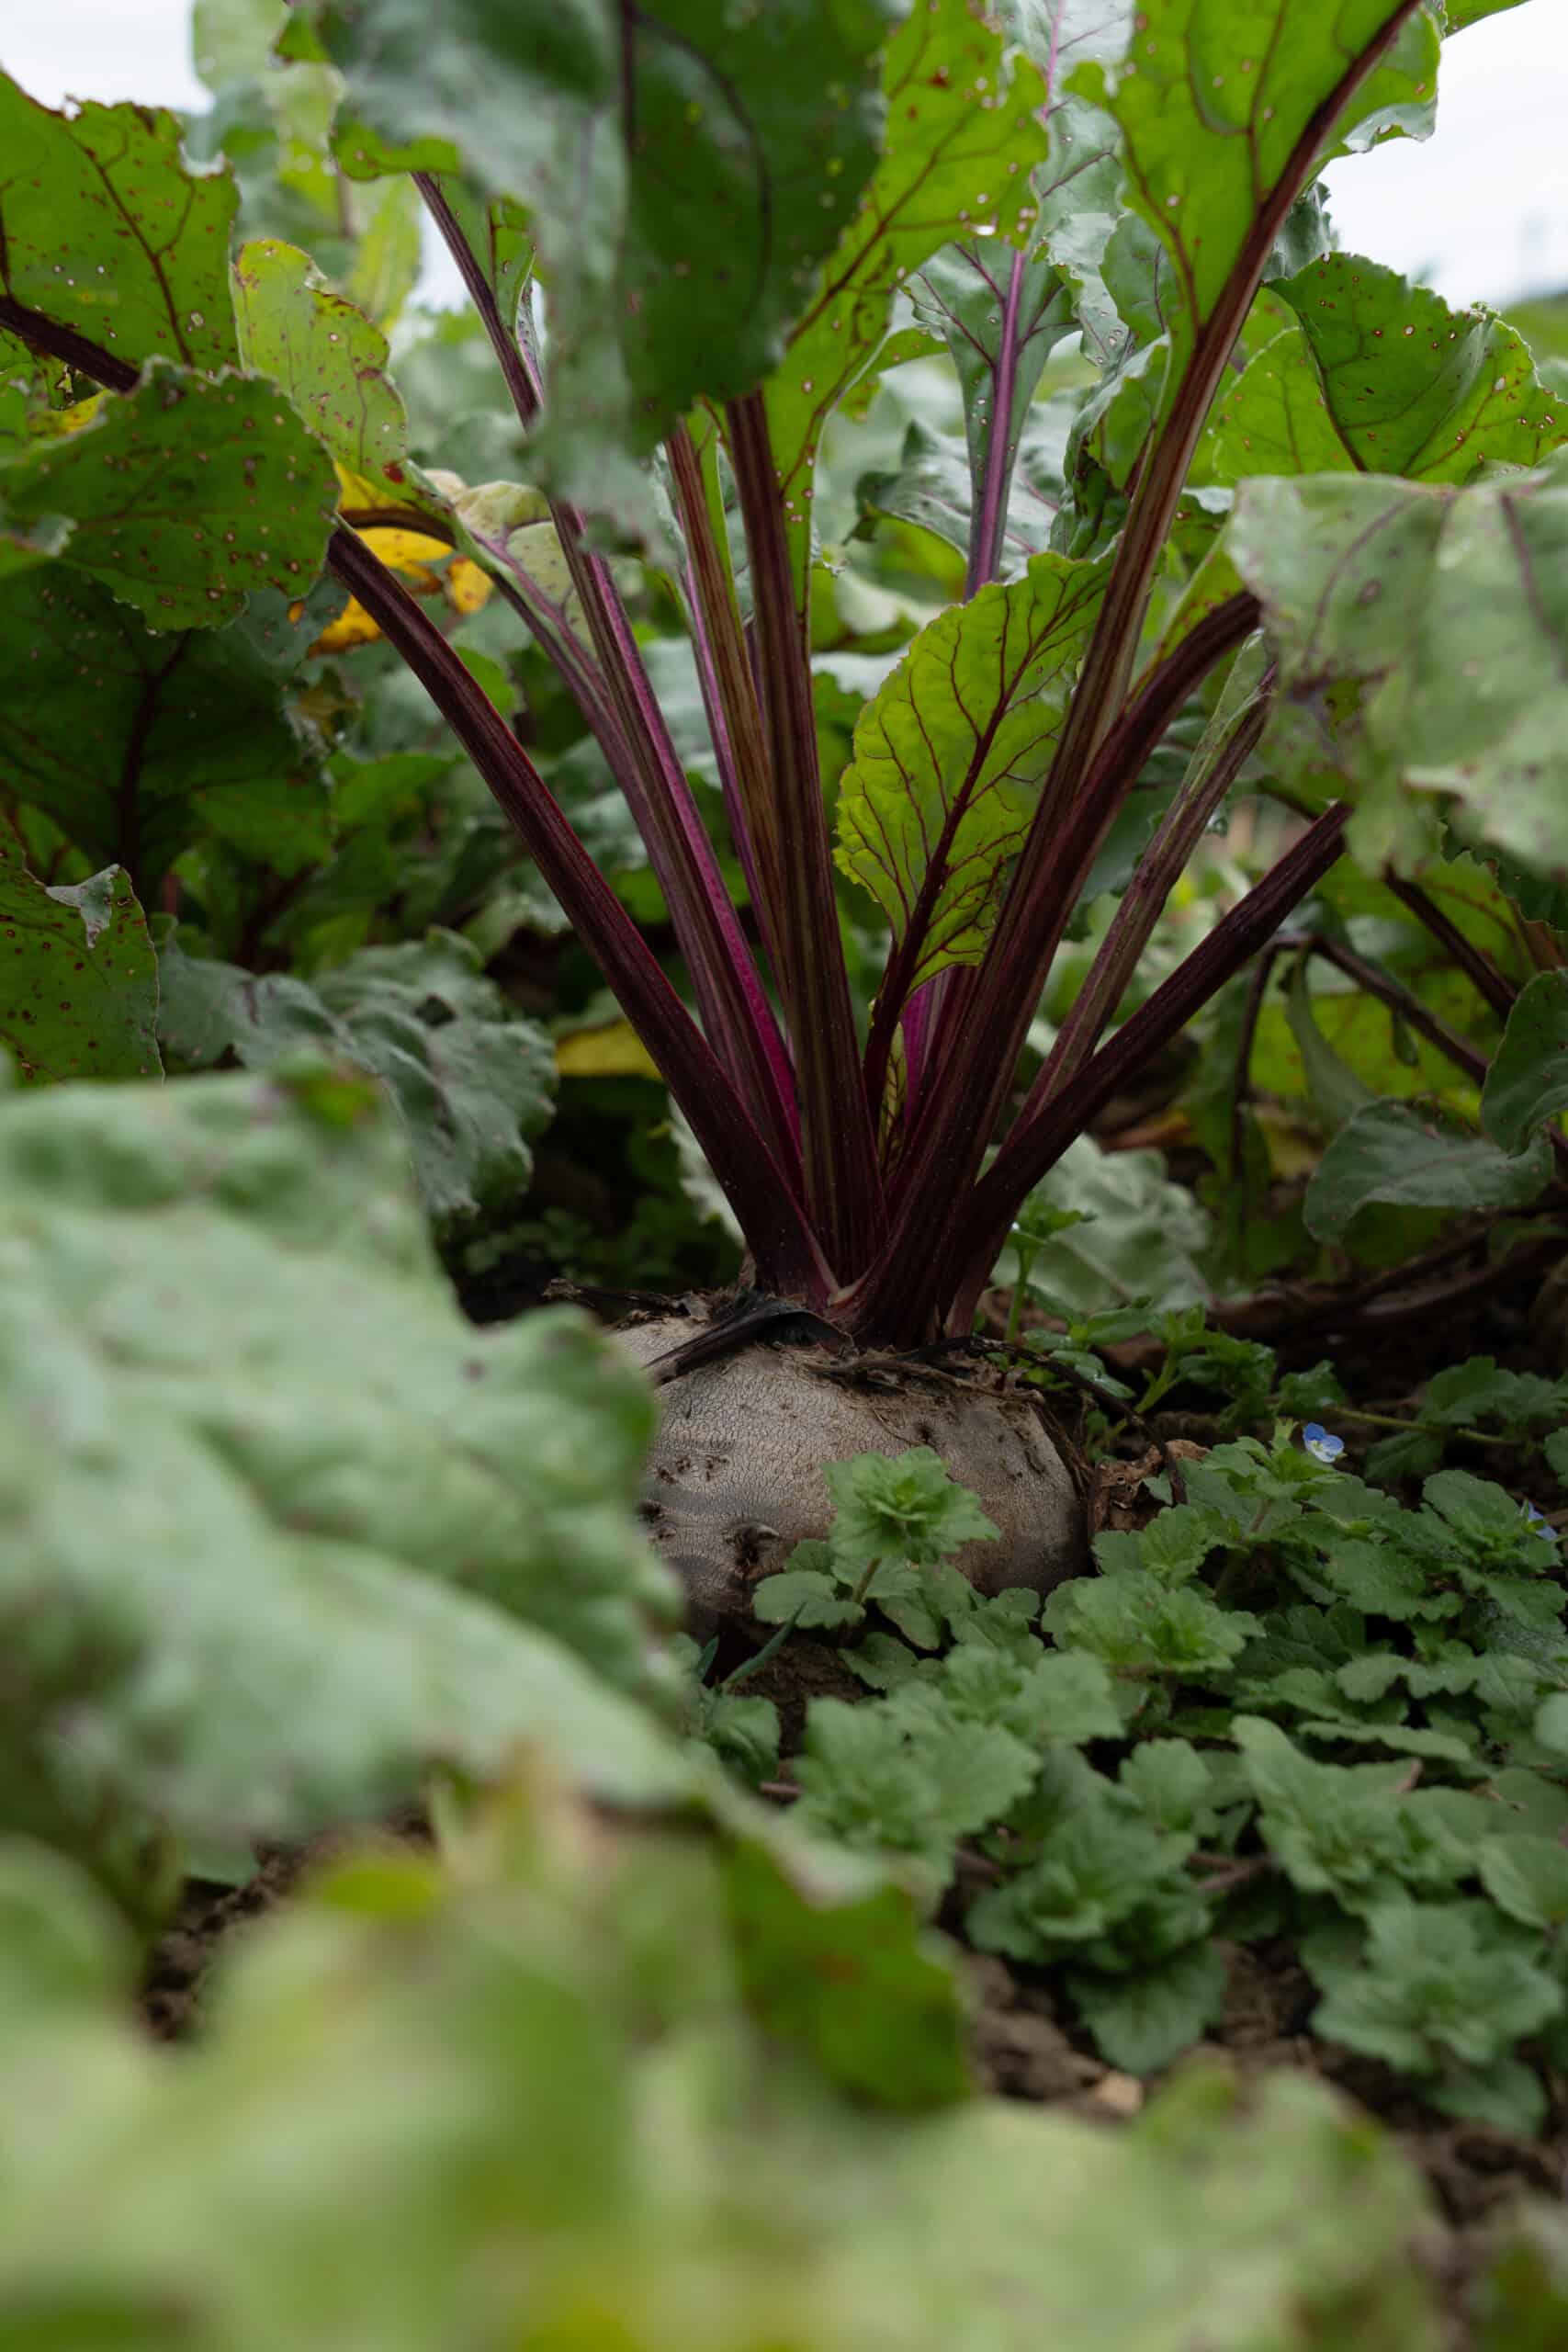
(1539, 1522)
(1320, 1443)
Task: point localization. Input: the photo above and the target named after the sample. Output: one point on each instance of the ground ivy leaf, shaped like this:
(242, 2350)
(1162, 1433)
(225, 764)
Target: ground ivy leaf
(186, 496)
(81, 988)
(1142, 2022)
(1212, 108)
(1387, 603)
(472, 1083)
(1527, 1082)
(1412, 1159)
(868, 1780)
(950, 757)
(834, 1957)
(1139, 1626)
(686, 169)
(1528, 1878)
(178, 733)
(1437, 1982)
(962, 137)
(324, 353)
(147, 263)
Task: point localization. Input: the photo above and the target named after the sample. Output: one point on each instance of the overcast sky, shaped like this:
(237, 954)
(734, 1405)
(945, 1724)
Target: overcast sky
(1482, 210)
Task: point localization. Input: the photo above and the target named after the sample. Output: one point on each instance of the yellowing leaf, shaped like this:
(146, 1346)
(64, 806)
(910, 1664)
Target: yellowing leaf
(467, 585)
(614, 1052)
(415, 555)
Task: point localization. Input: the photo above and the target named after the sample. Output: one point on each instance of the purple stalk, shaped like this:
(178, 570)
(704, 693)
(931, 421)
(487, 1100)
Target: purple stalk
(763, 1196)
(522, 382)
(1472, 960)
(1156, 874)
(987, 525)
(724, 669)
(971, 1083)
(844, 1184)
(1113, 648)
(729, 994)
(760, 1193)
(976, 1231)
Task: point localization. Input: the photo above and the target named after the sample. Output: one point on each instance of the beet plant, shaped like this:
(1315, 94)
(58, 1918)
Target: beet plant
(1295, 497)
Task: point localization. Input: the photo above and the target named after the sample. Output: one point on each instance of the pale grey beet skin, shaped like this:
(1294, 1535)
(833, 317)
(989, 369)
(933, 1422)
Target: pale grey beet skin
(735, 1476)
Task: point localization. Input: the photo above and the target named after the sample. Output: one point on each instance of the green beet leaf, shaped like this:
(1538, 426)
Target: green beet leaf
(684, 173)
(270, 1510)
(961, 138)
(1381, 377)
(1420, 631)
(479, 2077)
(1527, 1082)
(143, 269)
(472, 1085)
(933, 487)
(186, 494)
(325, 355)
(135, 745)
(1412, 387)
(80, 997)
(1395, 1153)
(950, 757)
(1213, 105)
(1000, 314)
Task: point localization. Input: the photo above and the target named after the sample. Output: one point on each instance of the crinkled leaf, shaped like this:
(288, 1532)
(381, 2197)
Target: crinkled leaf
(901, 1506)
(1142, 2022)
(252, 1454)
(145, 263)
(325, 355)
(1528, 1878)
(186, 496)
(1095, 1867)
(1350, 1831)
(962, 136)
(174, 735)
(80, 997)
(869, 1780)
(833, 1958)
(1420, 635)
(1527, 1081)
(1059, 1696)
(950, 757)
(1437, 1984)
(1394, 1153)
(1139, 1626)
(803, 1597)
(684, 172)
(471, 1083)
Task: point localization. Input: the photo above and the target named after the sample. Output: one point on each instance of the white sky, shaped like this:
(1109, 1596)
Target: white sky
(1482, 208)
